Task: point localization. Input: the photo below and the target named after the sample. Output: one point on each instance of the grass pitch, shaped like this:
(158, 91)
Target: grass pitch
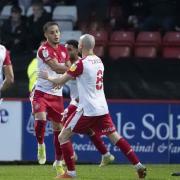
(87, 172)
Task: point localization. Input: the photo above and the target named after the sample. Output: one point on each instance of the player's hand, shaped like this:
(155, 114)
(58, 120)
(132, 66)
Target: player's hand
(43, 74)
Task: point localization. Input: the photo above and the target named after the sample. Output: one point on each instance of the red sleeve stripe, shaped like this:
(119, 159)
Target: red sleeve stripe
(7, 60)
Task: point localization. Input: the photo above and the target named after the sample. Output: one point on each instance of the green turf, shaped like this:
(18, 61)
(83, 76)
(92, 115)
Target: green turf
(87, 172)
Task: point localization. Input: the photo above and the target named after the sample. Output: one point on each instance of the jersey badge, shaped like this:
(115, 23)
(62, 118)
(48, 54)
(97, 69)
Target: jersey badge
(73, 67)
(45, 53)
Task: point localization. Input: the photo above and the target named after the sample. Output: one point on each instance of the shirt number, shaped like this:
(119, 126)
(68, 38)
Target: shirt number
(99, 80)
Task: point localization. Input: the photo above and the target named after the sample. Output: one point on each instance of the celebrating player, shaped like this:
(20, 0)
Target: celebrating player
(47, 101)
(107, 157)
(92, 112)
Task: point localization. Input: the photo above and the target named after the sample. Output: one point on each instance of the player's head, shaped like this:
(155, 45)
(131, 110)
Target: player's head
(52, 32)
(86, 43)
(72, 48)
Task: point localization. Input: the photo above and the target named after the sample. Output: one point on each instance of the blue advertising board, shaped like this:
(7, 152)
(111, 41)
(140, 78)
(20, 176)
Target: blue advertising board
(174, 134)
(152, 129)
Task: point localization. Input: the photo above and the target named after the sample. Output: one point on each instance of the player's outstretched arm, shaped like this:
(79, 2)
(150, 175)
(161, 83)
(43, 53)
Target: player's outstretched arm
(61, 80)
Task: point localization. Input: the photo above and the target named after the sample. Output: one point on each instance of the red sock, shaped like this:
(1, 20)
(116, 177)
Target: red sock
(99, 144)
(40, 126)
(127, 150)
(58, 151)
(68, 155)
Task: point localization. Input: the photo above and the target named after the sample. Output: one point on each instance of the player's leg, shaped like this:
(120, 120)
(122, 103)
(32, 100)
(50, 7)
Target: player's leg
(107, 126)
(58, 153)
(73, 124)
(54, 110)
(68, 153)
(66, 114)
(39, 110)
(107, 157)
(125, 147)
(39, 127)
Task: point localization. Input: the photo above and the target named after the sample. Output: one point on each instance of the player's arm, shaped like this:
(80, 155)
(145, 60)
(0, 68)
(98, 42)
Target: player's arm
(75, 70)
(68, 63)
(57, 67)
(61, 80)
(49, 58)
(9, 77)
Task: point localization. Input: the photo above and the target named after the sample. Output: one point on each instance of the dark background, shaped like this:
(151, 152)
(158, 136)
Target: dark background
(128, 78)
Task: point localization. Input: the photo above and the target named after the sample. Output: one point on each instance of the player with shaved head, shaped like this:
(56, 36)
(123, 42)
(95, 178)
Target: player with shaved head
(107, 157)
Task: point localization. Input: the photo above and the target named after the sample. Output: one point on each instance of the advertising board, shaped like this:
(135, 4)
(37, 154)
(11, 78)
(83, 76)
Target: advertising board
(10, 130)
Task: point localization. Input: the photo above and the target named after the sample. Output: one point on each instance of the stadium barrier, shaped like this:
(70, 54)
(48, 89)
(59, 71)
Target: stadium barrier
(11, 130)
(151, 127)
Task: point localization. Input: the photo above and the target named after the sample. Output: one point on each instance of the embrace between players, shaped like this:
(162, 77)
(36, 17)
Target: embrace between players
(88, 111)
